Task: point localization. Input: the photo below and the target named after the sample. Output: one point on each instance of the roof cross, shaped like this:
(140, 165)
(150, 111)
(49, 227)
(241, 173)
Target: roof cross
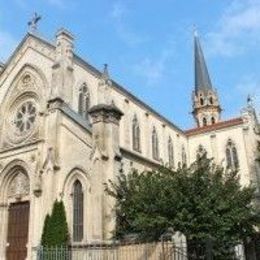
(33, 22)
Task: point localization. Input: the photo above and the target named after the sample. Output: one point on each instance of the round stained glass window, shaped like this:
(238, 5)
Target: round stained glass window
(25, 117)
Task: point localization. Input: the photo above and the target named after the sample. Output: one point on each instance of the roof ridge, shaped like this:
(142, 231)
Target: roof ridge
(216, 126)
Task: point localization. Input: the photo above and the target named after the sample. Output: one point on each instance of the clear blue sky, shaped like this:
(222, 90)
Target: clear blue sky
(148, 45)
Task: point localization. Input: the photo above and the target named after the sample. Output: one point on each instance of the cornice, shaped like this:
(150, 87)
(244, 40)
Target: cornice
(215, 127)
(140, 158)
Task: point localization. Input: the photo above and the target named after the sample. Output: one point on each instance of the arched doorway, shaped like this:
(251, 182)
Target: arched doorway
(17, 190)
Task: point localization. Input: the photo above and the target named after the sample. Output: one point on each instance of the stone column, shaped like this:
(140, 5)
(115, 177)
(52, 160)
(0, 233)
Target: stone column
(3, 229)
(106, 164)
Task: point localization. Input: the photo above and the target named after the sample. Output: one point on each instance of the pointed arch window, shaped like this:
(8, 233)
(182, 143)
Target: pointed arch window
(204, 121)
(136, 135)
(232, 155)
(183, 156)
(170, 152)
(155, 144)
(78, 203)
(84, 101)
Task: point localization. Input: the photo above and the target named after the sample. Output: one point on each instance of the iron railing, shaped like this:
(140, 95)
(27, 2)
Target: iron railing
(144, 251)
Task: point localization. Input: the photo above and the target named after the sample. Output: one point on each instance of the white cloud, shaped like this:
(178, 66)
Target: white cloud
(21, 3)
(118, 15)
(153, 69)
(118, 11)
(61, 4)
(237, 29)
(149, 69)
(57, 3)
(7, 45)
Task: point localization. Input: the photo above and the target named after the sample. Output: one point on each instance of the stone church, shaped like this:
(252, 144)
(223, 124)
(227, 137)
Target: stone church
(67, 128)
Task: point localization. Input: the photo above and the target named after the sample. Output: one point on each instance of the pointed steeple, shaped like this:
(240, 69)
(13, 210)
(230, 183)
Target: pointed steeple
(206, 106)
(202, 79)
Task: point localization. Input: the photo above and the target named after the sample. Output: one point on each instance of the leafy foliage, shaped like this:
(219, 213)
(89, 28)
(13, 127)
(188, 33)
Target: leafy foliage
(46, 227)
(55, 230)
(203, 202)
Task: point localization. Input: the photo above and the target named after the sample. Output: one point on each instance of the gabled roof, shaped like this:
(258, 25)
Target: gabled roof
(201, 76)
(214, 127)
(98, 74)
(20, 45)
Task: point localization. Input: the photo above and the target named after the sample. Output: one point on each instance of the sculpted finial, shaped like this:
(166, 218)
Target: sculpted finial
(104, 86)
(33, 22)
(105, 73)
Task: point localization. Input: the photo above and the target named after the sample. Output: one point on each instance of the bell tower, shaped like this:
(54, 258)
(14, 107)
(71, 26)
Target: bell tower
(206, 106)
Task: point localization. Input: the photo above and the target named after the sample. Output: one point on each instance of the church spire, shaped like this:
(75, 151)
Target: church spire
(202, 78)
(206, 107)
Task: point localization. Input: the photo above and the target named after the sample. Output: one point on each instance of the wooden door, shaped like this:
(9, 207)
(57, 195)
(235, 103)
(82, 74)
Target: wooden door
(17, 237)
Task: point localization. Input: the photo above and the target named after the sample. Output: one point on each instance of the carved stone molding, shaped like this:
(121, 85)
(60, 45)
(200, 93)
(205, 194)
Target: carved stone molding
(3, 205)
(50, 161)
(55, 103)
(106, 114)
(19, 186)
(37, 191)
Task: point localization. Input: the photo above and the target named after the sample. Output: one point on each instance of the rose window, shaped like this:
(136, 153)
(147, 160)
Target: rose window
(25, 117)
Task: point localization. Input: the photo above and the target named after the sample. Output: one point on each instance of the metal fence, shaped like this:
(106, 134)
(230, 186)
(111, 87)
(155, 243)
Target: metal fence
(210, 251)
(145, 251)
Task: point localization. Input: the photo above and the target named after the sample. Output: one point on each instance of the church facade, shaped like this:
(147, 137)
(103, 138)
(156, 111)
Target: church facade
(67, 128)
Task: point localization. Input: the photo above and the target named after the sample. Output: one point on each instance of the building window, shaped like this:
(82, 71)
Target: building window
(136, 135)
(204, 121)
(155, 145)
(231, 155)
(78, 202)
(183, 156)
(201, 101)
(213, 121)
(25, 117)
(170, 152)
(211, 100)
(84, 101)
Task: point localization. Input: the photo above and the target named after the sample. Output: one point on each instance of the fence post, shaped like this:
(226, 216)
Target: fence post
(146, 253)
(209, 249)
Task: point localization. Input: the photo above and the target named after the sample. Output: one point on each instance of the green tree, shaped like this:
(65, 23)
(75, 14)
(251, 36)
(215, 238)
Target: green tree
(204, 202)
(44, 240)
(55, 230)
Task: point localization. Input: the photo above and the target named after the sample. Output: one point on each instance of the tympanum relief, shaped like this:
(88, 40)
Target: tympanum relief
(19, 186)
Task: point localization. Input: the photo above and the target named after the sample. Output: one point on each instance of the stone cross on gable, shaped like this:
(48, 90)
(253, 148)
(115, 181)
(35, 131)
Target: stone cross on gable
(33, 22)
